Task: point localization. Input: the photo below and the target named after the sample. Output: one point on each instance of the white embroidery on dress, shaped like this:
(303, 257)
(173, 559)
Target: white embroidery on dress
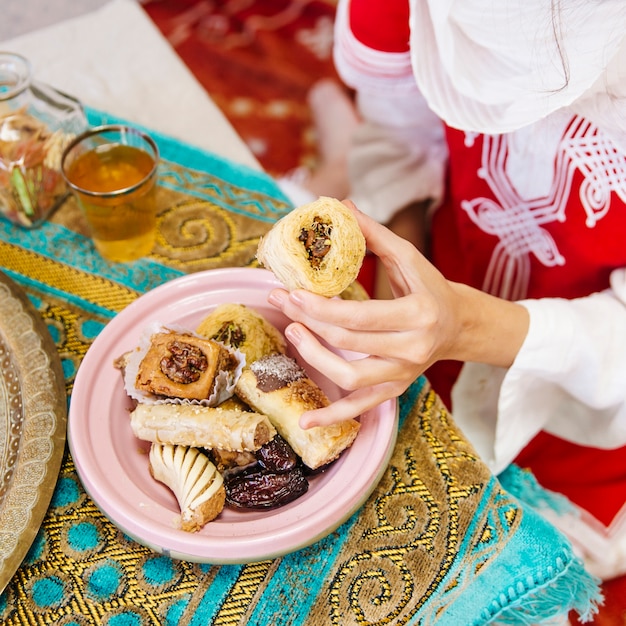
(516, 216)
(603, 166)
(470, 138)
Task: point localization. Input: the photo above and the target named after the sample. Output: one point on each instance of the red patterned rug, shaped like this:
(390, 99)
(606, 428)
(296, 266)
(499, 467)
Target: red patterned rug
(257, 59)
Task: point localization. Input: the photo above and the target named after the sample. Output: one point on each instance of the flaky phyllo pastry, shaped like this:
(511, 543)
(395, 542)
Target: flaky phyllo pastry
(194, 480)
(201, 426)
(243, 329)
(224, 431)
(318, 247)
(278, 387)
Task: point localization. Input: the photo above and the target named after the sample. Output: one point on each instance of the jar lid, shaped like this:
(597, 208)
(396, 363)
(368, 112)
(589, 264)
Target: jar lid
(15, 72)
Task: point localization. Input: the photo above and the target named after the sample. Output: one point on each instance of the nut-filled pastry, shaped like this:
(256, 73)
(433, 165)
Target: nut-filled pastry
(180, 365)
(279, 388)
(176, 365)
(194, 480)
(318, 247)
(242, 328)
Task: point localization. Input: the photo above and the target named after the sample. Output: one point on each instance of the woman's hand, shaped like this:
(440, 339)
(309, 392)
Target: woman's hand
(429, 319)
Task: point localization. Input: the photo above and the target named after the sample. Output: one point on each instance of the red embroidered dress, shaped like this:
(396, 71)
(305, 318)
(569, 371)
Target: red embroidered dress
(563, 242)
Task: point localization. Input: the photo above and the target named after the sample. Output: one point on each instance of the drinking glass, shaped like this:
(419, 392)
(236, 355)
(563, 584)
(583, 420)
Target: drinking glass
(112, 171)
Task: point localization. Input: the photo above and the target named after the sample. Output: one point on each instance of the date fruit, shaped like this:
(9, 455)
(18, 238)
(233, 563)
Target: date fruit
(277, 455)
(265, 490)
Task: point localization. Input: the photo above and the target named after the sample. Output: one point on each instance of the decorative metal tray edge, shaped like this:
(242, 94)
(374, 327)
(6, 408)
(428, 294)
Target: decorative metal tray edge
(33, 423)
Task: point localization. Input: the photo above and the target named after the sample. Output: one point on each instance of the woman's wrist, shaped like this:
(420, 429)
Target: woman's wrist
(490, 330)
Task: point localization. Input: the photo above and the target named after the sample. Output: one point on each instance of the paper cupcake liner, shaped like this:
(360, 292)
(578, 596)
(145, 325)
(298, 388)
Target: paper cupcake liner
(223, 385)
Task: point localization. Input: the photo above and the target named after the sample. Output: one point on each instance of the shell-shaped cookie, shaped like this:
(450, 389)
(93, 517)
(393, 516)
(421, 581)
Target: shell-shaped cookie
(194, 480)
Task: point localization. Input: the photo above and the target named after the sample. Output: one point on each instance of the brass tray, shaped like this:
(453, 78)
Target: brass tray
(33, 420)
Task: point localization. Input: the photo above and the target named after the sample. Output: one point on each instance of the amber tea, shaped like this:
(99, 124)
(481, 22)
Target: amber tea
(114, 183)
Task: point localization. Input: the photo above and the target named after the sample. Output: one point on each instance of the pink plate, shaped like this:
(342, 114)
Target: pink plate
(113, 464)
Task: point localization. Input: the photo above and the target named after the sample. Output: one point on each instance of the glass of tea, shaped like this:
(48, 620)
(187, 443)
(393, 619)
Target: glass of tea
(112, 171)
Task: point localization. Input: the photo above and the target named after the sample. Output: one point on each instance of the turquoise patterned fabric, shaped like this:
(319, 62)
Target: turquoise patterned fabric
(440, 541)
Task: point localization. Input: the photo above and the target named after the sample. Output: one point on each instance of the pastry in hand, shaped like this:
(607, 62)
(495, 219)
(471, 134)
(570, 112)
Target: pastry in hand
(201, 426)
(181, 365)
(279, 388)
(243, 329)
(318, 247)
(194, 480)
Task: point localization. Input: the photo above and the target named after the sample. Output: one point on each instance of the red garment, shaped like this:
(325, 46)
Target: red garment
(382, 26)
(592, 478)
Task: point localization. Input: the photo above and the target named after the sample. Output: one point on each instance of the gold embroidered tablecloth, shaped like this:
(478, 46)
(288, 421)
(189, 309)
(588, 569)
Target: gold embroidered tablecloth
(439, 541)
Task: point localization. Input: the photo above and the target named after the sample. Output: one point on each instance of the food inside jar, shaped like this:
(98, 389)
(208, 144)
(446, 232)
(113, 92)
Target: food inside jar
(31, 184)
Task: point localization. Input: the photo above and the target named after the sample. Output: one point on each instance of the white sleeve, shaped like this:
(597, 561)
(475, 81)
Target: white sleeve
(569, 379)
(398, 154)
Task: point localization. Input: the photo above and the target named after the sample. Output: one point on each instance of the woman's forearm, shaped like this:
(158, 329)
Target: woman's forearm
(491, 330)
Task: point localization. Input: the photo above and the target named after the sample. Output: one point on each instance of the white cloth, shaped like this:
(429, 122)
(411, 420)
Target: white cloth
(568, 379)
(496, 67)
(482, 67)
(575, 389)
(115, 59)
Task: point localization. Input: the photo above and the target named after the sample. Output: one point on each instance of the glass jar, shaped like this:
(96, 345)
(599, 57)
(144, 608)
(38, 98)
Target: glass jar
(36, 123)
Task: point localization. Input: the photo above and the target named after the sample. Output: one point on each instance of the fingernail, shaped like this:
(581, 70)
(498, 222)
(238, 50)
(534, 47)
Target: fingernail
(293, 334)
(296, 297)
(276, 298)
(305, 424)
